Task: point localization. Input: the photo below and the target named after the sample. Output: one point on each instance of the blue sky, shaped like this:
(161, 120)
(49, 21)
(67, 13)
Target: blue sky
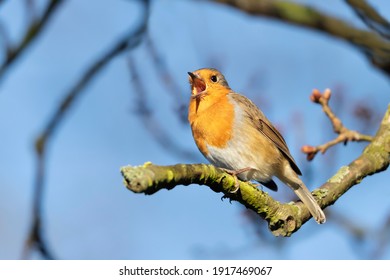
(89, 214)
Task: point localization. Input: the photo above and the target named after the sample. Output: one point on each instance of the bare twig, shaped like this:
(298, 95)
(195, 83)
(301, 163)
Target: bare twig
(167, 79)
(151, 123)
(355, 228)
(30, 35)
(31, 11)
(362, 234)
(371, 17)
(376, 48)
(344, 134)
(383, 240)
(127, 42)
(4, 38)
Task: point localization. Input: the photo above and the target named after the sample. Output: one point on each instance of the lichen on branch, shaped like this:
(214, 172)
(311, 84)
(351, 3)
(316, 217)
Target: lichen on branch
(283, 218)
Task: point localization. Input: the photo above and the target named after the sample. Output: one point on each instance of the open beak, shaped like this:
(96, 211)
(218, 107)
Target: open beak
(197, 84)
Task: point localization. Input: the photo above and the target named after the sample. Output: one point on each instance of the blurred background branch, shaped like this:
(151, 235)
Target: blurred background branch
(33, 30)
(367, 242)
(161, 133)
(170, 41)
(165, 75)
(129, 41)
(371, 17)
(376, 48)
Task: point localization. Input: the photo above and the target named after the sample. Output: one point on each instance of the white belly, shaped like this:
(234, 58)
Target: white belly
(237, 155)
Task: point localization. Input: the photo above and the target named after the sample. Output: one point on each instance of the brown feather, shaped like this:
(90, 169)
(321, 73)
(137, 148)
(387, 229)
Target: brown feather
(264, 126)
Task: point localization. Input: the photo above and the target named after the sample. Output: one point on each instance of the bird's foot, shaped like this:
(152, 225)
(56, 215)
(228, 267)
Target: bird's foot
(234, 173)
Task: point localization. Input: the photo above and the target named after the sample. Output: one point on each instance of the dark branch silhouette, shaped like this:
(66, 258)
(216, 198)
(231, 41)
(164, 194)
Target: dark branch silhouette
(168, 80)
(129, 41)
(34, 29)
(282, 219)
(371, 17)
(151, 123)
(376, 48)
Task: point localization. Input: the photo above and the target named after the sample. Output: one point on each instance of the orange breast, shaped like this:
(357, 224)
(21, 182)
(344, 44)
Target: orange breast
(211, 120)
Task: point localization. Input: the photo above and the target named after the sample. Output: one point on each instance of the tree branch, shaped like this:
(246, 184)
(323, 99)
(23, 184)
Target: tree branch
(344, 134)
(283, 219)
(374, 159)
(149, 178)
(32, 32)
(130, 40)
(167, 79)
(370, 43)
(151, 123)
(370, 16)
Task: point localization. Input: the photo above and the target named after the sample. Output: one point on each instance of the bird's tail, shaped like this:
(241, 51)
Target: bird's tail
(307, 198)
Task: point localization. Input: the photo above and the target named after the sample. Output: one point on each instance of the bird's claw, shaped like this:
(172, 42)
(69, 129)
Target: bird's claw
(225, 196)
(236, 185)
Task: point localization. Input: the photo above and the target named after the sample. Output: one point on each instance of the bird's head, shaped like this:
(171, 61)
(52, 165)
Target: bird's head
(207, 81)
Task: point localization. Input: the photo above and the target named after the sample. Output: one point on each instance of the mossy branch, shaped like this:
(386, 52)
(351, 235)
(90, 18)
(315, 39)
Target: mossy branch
(283, 218)
(372, 45)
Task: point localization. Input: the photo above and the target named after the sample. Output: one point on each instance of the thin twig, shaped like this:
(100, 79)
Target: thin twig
(4, 38)
(371, 17)
(344, 134)
(372, 45)
(383, 240)
(151, 123)
(30, 8)
(127, 42)
(167, 79)
(30, 35)
(362, 234)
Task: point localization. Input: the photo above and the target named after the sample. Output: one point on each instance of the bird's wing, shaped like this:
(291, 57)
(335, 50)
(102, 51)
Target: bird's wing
(265, 127)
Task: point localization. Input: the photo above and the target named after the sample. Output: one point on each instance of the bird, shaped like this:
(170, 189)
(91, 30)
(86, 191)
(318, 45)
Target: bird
(232, 133)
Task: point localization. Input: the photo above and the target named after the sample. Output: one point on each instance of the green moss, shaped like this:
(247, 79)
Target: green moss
(320, 193)
(339, 176)
(297, 13)
(150, 181)
(170, 175)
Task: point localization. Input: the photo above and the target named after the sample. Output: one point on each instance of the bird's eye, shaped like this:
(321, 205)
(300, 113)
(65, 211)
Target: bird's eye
(214, 78)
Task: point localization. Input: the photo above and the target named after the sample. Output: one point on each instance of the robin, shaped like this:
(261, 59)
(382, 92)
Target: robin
(234, 134)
